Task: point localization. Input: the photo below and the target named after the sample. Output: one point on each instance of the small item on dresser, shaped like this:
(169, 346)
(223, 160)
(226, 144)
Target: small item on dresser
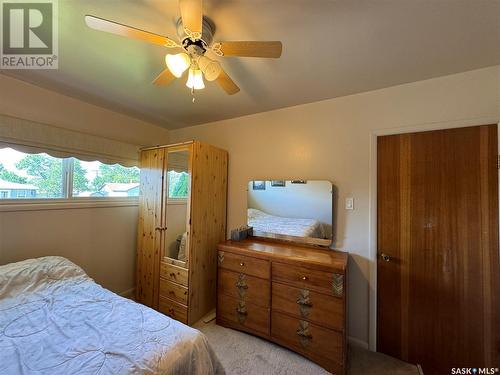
(241, 233)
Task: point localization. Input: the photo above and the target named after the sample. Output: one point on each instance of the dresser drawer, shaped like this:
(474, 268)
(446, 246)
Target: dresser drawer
(241, 286)
(173, 273)
(307, 338)
(174, 291)
(242, 315)
(173, 309)
(309, 305)
(321, 281)
(248, 265)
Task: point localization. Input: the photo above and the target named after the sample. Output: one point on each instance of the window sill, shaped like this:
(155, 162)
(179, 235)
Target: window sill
(66, 204)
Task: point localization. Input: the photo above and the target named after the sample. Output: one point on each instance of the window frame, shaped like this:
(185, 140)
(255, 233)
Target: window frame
(67, 200)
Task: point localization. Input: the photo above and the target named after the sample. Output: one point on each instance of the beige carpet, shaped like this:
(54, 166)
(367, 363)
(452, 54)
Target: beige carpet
(243, 354)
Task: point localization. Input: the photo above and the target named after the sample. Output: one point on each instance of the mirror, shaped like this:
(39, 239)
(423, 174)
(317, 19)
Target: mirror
(294, 210)
(177, 206)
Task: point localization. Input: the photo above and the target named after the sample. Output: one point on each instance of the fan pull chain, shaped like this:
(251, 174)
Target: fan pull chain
(192, 94)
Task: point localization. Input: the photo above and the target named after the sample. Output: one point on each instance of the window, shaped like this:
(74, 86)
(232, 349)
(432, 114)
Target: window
(178, 185)
(95, 179)
(41, 176)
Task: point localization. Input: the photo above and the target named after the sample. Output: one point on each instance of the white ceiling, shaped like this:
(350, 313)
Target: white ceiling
(330, 49)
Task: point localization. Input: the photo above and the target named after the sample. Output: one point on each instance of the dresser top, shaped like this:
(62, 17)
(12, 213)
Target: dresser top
(288, 253)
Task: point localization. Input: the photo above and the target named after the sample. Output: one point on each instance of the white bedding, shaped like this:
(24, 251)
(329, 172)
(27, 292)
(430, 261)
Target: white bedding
(54, 319)
(264, 222)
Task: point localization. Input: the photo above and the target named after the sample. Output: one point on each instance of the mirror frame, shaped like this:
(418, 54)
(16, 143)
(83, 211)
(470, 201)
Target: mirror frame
(295, 239)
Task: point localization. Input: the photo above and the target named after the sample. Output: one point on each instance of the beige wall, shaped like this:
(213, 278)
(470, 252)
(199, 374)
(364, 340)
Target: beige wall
(331, 140)
(102, 240)
(29, 102)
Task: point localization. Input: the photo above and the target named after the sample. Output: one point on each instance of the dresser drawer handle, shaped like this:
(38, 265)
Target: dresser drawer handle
(242, 264)
(304, 278)
(172, 274)
(242, 310)
(307, 336)
(304, 303)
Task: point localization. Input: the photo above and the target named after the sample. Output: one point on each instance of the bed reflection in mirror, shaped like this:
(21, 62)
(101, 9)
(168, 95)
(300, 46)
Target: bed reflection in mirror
(295, 210)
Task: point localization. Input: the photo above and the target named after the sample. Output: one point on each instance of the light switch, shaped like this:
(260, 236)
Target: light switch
(349, 203)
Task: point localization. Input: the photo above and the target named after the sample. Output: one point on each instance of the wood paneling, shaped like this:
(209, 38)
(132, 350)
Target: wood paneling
(148, 241)
(438, 221)
(208, 226)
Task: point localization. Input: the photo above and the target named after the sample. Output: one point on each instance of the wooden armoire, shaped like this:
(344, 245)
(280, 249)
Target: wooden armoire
(182, 218)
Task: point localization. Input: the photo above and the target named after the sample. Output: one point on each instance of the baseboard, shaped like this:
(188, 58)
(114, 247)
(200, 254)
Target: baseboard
(130, 294)
(357, 342)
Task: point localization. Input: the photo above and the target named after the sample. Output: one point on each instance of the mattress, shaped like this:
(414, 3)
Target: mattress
(54, 319)
(264, 222)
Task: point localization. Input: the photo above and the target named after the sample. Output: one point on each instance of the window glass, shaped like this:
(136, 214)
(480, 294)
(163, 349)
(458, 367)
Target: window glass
(178, 185)
(40, 176)
(95, 179)
(30, 176)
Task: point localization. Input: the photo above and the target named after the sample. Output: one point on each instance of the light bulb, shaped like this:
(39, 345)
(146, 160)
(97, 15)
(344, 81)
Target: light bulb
(177, 64)
(195, 79)
(209, 67)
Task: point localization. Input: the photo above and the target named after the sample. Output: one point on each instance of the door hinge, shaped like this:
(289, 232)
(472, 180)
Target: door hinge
(498, 161)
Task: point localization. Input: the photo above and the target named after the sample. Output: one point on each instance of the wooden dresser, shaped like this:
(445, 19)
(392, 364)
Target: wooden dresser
(290, 294)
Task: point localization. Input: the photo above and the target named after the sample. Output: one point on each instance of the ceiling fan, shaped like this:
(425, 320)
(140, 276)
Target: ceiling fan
(195, 33)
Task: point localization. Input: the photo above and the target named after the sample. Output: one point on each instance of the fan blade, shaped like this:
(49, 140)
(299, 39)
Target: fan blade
(164, 78)
(227, 83)
(248, 49)
(192, 17)
(112, 27)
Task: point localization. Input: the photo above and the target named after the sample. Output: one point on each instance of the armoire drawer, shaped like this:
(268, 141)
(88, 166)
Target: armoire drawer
(173, 309)
(242, 315)
(173, 291)
(173, 273)
(248, 265)
(249, 288)
(307, 337)
(321, 281)
(309, 305)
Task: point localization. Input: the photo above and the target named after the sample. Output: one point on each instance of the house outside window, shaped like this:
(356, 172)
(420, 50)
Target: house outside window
(41, 176)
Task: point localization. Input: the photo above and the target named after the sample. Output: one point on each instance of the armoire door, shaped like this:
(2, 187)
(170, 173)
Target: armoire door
(149, 238)
(438, 264)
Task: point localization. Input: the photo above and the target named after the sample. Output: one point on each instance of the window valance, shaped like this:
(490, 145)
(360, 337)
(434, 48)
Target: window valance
(32, 137)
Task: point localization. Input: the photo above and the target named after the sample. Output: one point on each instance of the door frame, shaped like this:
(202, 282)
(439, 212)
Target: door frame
(372, 192)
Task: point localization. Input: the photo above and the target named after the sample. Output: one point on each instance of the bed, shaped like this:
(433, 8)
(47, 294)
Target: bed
(264, 222)
(54, 319)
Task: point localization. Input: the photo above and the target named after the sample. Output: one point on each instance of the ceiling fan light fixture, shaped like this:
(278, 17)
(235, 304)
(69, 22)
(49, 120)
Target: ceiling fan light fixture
(195, 79)
(209, 67)
(178, 63)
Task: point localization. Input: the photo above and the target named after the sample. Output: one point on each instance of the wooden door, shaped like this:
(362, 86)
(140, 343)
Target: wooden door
(149, 237)
(438, 264)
